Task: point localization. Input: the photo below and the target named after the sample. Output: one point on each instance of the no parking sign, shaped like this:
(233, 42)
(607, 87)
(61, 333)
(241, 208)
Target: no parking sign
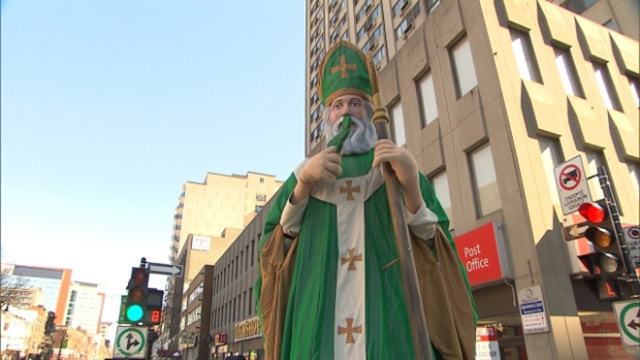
(571, 182)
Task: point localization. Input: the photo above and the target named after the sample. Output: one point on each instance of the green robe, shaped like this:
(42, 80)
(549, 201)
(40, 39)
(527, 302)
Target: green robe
(308, 327)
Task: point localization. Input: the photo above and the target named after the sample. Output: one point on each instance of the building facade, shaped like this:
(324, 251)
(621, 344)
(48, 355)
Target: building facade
(53, 282)
(85, 307)
(234, 322)
(491, 96)
(208, 218)
(196, 316)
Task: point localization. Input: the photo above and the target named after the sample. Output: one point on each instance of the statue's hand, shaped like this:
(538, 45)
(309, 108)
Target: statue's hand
(323, 166)
(402, 162)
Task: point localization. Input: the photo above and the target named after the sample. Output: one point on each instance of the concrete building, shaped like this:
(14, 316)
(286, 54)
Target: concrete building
(208, 218)
(196, 316)
(85, 307)
(234, 322)
(53, 282)
(491, 96)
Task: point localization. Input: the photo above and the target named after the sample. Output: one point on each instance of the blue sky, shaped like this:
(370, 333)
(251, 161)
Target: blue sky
(108, 107)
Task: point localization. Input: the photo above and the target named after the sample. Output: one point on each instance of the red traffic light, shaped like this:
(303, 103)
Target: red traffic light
(139, 276)
(593, 212)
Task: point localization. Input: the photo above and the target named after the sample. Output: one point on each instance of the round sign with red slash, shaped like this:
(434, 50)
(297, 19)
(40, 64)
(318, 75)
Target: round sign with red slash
(634, 232)
(570, 177)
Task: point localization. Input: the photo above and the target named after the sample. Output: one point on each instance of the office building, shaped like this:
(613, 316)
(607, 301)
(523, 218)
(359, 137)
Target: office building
(491, 97)
(208, 218)
(84, 310)
(53, 282)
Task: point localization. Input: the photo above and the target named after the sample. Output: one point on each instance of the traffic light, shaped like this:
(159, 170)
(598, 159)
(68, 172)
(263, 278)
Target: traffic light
(607, 259)
(137, 294)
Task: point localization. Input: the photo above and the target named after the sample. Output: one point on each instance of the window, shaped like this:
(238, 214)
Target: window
(258, 208)
(605, 84)
(399, 6)
(441, 187)
(611, 25)
(373, 40)
(464, 69)
(407, 23)
(398, 124)
(379, 55)
(634, 173)
(551, 157)
(634, 88)
(525, 57)
(432, 5)
(363, 10)
(486, 185)
(568, 74)
(578, 6)
(428, 99)
(594, 161)
(261, 197)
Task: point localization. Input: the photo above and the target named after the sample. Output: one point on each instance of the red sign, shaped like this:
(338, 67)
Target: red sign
(486, 333)
(479, 251)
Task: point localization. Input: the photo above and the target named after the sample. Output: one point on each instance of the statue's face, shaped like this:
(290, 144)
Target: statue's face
(347, 105)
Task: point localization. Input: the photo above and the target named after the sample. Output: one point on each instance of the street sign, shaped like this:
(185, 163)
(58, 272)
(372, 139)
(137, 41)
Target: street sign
(131, 342)
(122, 317)
(628, 320)
(165, 269)
(632, 238)
(571, 182)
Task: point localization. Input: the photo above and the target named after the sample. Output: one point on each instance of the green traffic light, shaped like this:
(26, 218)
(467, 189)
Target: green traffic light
(135, 313)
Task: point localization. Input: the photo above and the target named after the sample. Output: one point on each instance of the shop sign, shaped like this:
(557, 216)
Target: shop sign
(532, 312)
(247, 329)
(487, 347)
(188, 338)
(483, 253)
(219, 339)
(223, 349)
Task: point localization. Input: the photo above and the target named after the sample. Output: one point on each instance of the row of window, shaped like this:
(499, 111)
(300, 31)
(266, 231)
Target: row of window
(334, 17)
(407, 23)
(363, 10)
(374, 39)
(368, 25)
(236, 309)
(236, 267)
(529, 70)
(481, 161)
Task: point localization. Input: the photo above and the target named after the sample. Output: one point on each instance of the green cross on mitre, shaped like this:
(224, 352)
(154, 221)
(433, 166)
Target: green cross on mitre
(344, 71)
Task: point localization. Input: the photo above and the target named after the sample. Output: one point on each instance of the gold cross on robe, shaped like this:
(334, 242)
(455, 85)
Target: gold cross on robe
(350, 330)
(343, 67)
(351, 259)
(349, 190)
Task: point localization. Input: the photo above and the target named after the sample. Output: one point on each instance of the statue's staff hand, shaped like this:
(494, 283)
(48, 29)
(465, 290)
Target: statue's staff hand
(406, 168)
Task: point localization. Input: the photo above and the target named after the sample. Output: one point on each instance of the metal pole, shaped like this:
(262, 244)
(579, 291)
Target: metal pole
(629, 269)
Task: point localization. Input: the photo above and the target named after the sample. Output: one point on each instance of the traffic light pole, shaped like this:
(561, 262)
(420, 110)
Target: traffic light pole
(617, 229)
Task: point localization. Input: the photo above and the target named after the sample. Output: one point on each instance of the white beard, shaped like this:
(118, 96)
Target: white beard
(360, 140)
